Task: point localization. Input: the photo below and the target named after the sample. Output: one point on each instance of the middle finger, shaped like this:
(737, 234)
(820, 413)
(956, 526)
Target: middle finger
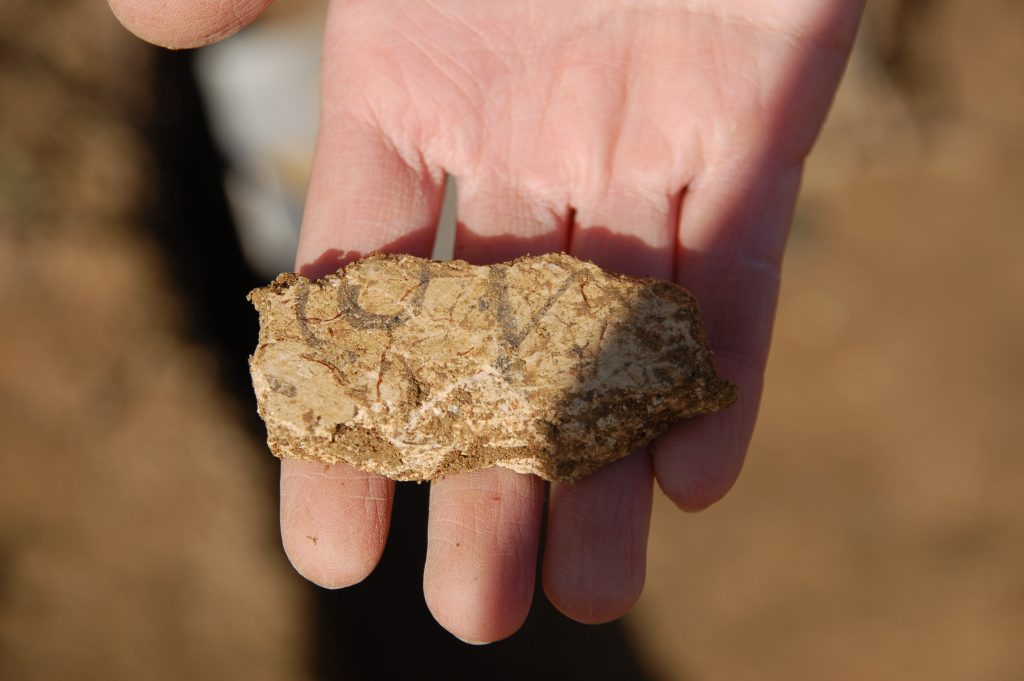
(484, 527)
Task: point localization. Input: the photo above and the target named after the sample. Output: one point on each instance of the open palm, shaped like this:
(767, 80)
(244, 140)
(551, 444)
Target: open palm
(660, 138)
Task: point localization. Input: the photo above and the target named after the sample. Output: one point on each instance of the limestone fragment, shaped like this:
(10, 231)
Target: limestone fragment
(415, 369)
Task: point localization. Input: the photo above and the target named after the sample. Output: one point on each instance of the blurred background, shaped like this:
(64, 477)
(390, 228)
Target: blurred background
(876, 533)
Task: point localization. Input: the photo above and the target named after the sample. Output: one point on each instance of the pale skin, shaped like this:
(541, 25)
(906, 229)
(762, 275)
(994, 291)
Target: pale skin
(655, 137)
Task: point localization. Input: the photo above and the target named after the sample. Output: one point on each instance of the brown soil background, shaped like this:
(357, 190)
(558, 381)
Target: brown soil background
(876, 533)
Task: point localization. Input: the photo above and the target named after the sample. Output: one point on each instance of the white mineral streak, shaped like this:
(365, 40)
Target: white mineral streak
(414, 369)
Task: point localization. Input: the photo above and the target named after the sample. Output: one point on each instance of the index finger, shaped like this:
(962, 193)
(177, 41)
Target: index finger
(363, 197)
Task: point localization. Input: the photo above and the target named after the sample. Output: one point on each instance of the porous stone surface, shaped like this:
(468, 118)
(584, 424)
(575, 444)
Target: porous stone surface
(415, 369)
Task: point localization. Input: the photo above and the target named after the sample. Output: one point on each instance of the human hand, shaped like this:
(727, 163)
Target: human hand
(659, 138)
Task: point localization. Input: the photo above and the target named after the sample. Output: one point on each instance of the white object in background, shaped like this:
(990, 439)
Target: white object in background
(261, 91)
(262, 94)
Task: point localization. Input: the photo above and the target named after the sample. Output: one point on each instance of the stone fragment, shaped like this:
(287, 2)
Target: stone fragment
(415, 369)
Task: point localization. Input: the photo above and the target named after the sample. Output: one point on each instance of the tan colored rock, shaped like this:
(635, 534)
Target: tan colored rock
(415, 369)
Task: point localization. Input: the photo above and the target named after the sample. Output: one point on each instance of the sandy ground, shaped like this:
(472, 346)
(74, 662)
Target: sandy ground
(136, 540)
(875, 534)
